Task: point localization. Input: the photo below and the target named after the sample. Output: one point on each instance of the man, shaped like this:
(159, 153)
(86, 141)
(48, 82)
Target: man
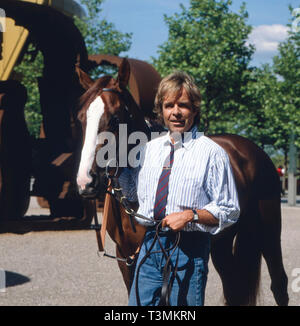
(185, 180)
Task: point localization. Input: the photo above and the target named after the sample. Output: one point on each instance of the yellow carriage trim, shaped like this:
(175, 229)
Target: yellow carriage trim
(13, 39)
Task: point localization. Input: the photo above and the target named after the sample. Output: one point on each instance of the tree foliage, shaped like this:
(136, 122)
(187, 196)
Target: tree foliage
(272, 95)
(209, 41)
(100, 36)
(29, 70)
(287, 66)
(261, 100)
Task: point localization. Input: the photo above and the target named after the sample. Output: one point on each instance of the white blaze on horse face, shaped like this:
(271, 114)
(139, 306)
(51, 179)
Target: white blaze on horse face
(93, 116)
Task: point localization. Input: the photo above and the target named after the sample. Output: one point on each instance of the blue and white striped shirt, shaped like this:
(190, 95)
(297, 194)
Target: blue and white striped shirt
(201, 178)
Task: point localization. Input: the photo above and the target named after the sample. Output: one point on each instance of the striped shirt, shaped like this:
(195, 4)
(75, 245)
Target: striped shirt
(201, 178)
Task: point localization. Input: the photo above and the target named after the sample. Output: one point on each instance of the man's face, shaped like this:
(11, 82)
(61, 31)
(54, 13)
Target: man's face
(178, 113)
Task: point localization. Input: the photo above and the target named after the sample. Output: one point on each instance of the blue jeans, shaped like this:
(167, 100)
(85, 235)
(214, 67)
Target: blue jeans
(190, 282)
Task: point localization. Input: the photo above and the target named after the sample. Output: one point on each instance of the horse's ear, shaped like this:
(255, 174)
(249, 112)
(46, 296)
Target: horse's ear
(124, 73)
(84, 79)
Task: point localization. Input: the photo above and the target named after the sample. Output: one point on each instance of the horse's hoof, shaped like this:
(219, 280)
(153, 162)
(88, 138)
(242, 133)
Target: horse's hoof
(282, 300)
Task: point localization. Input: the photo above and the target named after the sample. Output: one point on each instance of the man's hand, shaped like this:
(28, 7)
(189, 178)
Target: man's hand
(177, 221)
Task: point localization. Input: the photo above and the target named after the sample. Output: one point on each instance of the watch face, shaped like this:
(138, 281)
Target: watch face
(195, 218)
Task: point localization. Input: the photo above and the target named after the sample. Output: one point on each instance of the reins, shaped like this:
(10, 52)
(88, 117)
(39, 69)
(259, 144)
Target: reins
(168, 278)
(101, 233)
(115, 191)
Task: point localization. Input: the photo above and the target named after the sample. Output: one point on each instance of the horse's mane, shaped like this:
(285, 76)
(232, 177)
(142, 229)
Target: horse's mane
(89, 96)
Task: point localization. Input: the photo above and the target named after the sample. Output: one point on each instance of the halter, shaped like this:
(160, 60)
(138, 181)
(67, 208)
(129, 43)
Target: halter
(112, 90)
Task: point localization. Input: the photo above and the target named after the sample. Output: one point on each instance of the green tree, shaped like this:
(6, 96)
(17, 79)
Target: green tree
(29, 70)
(272, 98)
(287, 65)
(209, 41)
(261, 98)
(100, 36)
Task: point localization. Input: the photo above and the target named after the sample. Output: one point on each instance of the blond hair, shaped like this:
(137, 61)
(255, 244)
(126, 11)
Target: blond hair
(174, 84)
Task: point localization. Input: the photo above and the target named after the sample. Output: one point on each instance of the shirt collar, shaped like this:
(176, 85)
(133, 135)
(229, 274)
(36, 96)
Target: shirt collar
(185, 140)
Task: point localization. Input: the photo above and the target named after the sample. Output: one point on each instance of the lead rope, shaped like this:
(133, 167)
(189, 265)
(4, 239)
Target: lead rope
(100, 235)
(115, 190)
(167, 280)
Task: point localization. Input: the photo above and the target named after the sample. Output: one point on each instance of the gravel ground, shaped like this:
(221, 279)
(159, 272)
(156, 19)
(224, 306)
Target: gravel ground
(48, 268)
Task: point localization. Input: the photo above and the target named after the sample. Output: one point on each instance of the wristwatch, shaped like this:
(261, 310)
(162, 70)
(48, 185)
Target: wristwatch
(196, 216)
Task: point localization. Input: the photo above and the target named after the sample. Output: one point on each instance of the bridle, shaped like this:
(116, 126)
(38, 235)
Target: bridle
(115, 191)
(113, 183)
(169, 271)
(113, 122)
(113, 90)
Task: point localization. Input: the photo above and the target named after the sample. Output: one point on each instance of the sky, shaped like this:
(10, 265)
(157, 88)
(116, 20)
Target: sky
(145, 20)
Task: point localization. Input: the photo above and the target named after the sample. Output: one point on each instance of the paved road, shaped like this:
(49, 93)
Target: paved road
(63, 268)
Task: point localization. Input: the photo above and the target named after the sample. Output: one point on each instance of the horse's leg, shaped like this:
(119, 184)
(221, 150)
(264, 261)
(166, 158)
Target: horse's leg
(126, 271)
(271, 246)
(239, 265)
(247, 255)
(223, 261)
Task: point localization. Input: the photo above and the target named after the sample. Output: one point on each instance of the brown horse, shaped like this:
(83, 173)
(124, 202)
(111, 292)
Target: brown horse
(236, 252)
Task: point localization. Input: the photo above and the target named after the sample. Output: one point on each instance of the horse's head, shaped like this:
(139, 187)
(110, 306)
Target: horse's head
(105, 105)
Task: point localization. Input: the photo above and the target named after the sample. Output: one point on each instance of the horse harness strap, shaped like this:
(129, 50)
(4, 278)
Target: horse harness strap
(100, 240)
(169, 271)
(101, 232)
(120, 94)
(115, 191)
